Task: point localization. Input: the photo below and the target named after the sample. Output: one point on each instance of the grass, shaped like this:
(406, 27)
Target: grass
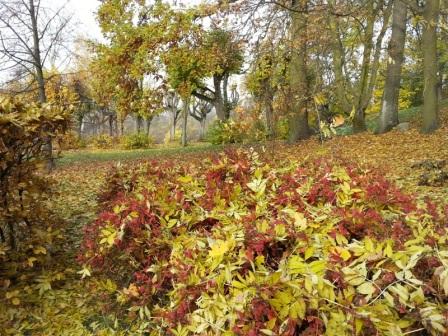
(86, 156)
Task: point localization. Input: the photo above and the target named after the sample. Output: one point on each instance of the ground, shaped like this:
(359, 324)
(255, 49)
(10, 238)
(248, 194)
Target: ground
(69, 307)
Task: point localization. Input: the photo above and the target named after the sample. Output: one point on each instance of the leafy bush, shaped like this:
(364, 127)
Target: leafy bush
(243, 246)
(176, 140)
(227, 132)
(137, 141)
(24, 191)
(71, 140)
(102, 141)
(282, 128)
(221, 132)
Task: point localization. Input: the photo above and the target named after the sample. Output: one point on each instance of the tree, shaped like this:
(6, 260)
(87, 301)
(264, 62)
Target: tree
(199, 110)
(171, 104)
(389, 107)
(298, 123)
(267, 75)
(225, 59)
(430, 110)
(30, 35)
(129, 60)
(369, 66)
(341, 86)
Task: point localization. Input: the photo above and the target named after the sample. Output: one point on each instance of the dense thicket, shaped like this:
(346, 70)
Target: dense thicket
(24, 130)
(236, 245)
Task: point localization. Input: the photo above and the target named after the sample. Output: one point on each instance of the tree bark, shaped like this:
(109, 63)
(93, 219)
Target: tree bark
(184, 121)
(139, 123)
(430, 112)
(359, 123)
(48, 146)
(268, 98)
(218, 100)
(225, 84)
(338, 56)
(148, 125)
(121, 127)
(389, 109)
(111, 125)
(369, 68)
(202, 129)
(173, 123)
(79, 128)
(298, 121)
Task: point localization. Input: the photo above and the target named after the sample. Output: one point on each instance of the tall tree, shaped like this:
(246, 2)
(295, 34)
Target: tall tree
(389, 107)
(298, 122)
(224, 57)
(199, 110)
(370, 65)
(30, 34)
(430, 110)
(341, 85)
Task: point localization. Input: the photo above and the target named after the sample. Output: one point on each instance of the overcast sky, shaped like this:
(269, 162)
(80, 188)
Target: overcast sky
(84, 15)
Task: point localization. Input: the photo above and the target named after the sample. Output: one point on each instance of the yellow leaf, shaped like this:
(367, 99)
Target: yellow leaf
(366, 288)
(31, 261)
(40, 250)
(219, 249)
(309, 252)
(185, 179)
(298, 309)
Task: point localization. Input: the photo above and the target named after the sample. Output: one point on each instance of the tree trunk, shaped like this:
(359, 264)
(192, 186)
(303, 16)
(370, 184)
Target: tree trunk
(225, 84)
(430, 112)
(202, 129)
(219, 101)
(389, 109)
(121, 127)
(268, 98)
(359, 123)
(48, 144)
(173, 124)
(139, 123)
(298, 122)
(111, 125)
(148, 125)
(79, 128)
(184, 121)
(338, 56)
(369, 67)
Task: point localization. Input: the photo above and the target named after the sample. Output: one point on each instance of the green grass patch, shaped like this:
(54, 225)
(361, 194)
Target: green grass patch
(86, 156)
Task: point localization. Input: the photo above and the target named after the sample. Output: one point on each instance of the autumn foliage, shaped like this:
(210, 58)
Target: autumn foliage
(238, 244)
(23, 132)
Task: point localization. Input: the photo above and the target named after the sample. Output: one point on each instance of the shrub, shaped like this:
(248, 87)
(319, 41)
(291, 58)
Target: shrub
(282, 128)
(221, 132)
(177, 138)
(228, 132)
(235, 245)
(71, 140)
(137, 141)
(102, 141)
(24, 191)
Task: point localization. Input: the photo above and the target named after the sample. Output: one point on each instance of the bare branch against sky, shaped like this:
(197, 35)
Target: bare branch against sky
(59, 24)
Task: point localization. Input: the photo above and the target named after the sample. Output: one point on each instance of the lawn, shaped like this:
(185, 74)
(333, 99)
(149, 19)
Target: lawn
(86, 156)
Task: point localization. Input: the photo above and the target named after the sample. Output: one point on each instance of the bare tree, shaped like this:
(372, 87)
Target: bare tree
(199, 111)
(171, 104)
(31, 35)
